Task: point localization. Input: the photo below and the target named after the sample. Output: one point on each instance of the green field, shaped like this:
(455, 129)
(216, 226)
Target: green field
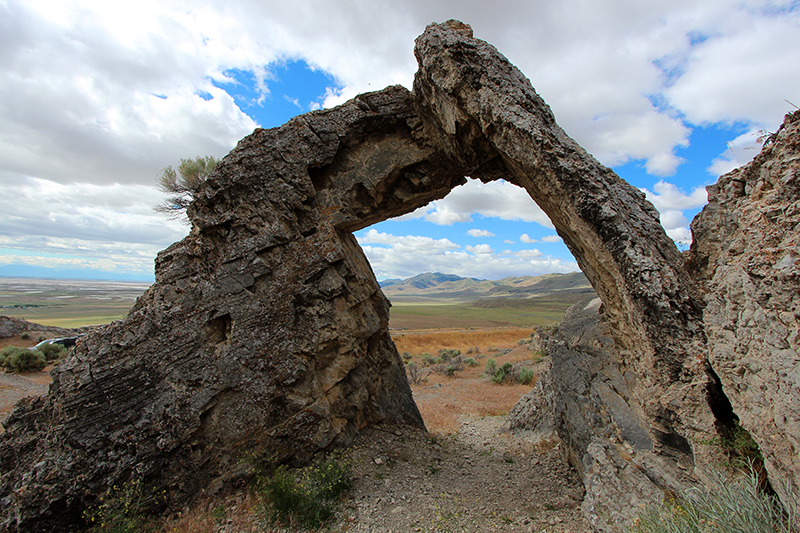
(496, 312)
(67, 303)
(70, 303)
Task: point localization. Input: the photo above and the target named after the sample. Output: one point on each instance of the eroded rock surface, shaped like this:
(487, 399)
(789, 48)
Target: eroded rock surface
(747, 251)
(265, 334)
(587, 401)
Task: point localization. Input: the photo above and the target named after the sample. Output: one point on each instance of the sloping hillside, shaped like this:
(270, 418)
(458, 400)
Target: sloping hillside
(438, 286)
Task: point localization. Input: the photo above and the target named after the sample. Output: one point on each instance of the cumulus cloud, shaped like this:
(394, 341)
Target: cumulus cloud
(480, 233)
(394, 256)
(498, 199)
(481, 249)
(108, 225)
(107, 93)
(526, 239)
(551, 238)
(671, 202)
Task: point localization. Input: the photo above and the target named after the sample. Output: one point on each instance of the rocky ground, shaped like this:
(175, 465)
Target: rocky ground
(480, 479)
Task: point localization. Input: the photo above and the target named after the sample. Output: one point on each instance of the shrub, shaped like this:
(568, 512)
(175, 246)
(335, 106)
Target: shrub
(502, 373)
(25, 335)
(525, 375)
(427, 360)
(304, 497)
(727, 507)
(53, 352)
(17, 359)
(407, 357)
(491, 366)
(469, 361)
(447, 355)
(415, 376)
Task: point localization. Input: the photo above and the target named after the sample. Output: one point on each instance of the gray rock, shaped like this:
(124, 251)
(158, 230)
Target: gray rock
(746, 253)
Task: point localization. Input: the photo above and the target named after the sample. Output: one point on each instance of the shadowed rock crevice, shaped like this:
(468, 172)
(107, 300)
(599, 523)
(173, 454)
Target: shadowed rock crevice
(266, 333)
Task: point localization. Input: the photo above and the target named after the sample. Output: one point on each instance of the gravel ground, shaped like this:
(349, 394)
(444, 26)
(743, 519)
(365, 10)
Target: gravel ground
(480, 479)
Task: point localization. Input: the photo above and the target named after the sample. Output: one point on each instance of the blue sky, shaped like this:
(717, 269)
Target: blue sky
(98, 97)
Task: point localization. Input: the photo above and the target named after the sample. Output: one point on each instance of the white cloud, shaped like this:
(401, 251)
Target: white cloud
(480, 249)
(109, 93)
(740, 74)
(526, 239)
(669, 197)
(480, 233)
(498, 199)
(740, 151)
(508, 241)
(671, 202)
(551, 238)
(405, 256)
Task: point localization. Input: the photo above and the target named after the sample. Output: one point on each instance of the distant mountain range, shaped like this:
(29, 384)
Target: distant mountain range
(435, 285)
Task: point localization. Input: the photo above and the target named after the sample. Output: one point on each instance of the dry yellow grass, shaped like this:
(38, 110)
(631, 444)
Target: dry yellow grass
(419, 342)
(443, 400)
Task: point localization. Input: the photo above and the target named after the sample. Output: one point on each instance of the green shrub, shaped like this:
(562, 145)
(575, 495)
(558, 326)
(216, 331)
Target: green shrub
(17, 359)
(502, 373)
(25, 335)
(305, 497)
(525, 375)
(491, 366)
(53, 352)
(406, 357)
(469, 361)
(427, 360)
(447, 355)
(727, 507)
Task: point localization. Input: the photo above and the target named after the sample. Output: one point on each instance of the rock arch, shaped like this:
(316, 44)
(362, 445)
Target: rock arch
(266, 331)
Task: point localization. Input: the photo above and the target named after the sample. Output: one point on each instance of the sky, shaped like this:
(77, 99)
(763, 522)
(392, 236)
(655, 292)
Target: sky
(97, 97)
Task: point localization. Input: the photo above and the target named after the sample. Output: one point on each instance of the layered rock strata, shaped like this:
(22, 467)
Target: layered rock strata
(265, 334)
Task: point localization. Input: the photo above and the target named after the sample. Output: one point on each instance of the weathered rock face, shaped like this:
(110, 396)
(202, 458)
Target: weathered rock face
(747, 252)
(587, 403)
(265, 333)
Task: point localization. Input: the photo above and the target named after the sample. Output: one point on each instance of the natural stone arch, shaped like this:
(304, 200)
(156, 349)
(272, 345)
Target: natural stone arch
(266, 332)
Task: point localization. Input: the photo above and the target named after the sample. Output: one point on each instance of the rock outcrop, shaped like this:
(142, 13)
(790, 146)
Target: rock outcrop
(265, 334)
(746, 252)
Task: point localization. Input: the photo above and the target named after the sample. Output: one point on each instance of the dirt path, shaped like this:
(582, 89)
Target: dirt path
(14, 387)
(479, 479)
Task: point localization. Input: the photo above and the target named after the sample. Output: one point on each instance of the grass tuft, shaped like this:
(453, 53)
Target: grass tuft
(729, 506)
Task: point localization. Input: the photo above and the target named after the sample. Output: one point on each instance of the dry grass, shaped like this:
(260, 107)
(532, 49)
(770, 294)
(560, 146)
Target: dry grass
(419, 342)
(237, 512)
(443, 400)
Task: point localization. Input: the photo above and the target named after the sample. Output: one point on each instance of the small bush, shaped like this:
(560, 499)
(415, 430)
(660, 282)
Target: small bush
(525, 375)
(53, 352)
(17, 359)
(469, 361)
(502, 373)
(305, 497)
(25, 335)
(491, 366)
(406, 357)
(427, 359)
(447, 355)
(727, 507)
(415, 375)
